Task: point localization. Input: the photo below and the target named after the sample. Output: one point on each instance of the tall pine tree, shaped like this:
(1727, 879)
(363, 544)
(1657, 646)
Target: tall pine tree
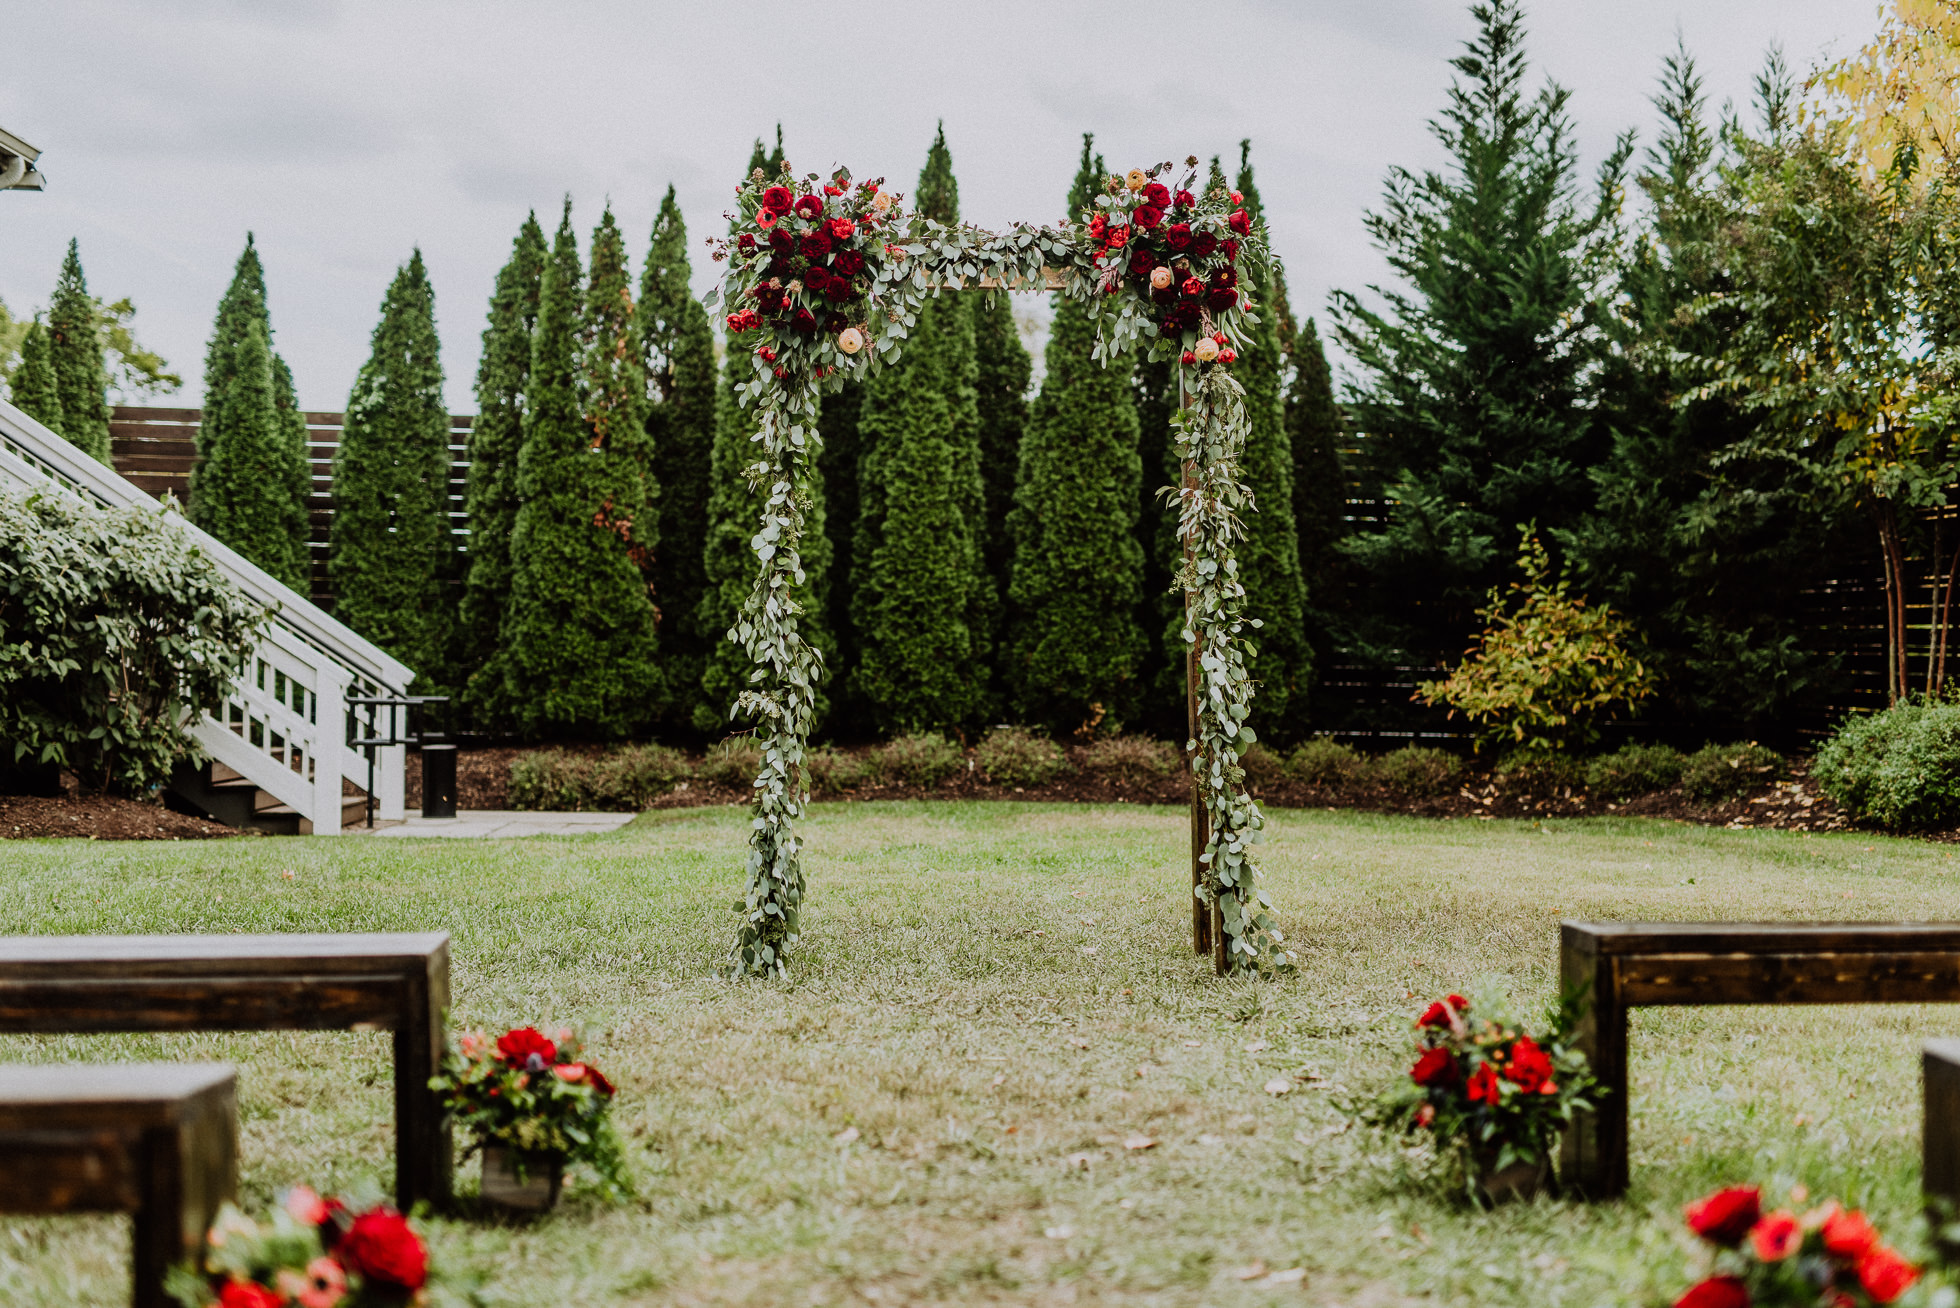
(80, 377)
(1074, 650)
(33, 386)
(1003, 369)
(1320, 487)
(576, 652)
(1269, 557)
(250, 480)
(503, 374)
(922, 601)
(390, 553)
(1475, 401)
(680, 424)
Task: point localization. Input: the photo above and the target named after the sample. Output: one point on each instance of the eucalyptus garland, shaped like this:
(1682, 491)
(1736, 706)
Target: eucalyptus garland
(826, 278)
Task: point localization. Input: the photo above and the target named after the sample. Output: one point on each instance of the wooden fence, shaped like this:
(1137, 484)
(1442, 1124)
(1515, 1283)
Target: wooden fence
(154, 448)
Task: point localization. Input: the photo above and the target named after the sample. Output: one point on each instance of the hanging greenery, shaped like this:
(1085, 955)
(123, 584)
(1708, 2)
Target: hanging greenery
(827, 280)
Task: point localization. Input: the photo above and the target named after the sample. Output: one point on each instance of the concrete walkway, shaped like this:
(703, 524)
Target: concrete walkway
(500, 824)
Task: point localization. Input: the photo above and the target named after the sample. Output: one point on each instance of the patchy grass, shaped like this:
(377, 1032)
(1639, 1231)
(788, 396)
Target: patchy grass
(990, 1000)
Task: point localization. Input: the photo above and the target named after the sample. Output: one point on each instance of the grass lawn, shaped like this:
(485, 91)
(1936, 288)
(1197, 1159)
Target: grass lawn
(989, 1000)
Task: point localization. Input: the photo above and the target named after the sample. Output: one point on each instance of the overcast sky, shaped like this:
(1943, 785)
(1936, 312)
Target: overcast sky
(346, 134)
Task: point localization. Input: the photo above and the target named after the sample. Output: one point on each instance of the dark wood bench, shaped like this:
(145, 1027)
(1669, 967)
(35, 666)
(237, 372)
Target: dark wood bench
(156, 1140)
(1628, 965)
(1939, 1167)
(397, 983)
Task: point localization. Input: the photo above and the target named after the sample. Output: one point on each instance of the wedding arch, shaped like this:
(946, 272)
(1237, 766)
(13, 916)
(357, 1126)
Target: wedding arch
(825, 280)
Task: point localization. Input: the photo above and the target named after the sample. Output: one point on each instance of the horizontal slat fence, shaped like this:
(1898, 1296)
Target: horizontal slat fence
(155, 448)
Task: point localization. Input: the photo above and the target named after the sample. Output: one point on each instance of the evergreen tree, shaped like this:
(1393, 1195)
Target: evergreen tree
(1476, 403)
(250, 480)
(1075, 653)
(502, 376)
(390, 553)
(576, 651)
(680, 370)
(1002, 369)
(80, 376)
(33, 386)
(922, 601)
(1160, 615)
(1320, 489)
(1269, 556)
(838, 424)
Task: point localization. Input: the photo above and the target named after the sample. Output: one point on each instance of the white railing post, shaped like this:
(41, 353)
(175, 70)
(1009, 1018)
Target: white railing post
(330, 748)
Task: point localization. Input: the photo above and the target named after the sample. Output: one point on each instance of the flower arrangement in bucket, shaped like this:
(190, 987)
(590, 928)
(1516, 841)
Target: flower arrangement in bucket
(309, 1253)
(1494, 1097)
(1829, 1256)
(533, 1105)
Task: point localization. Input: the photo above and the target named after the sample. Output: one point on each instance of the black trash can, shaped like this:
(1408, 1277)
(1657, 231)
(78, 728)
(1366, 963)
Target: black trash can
(438, 781)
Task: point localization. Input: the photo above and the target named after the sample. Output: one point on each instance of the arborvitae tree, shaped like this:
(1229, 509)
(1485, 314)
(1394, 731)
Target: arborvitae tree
(922, 602)
(838, 425)
(1269, 557)
(1075, 652)
(1003, 370)
(502, 376)
(79, 374)
(680, 370)
(390, 553)
(1160, 615)
(33, 386)
(250, 481)
(577, 645)
(1313, 425)
(1475, 401)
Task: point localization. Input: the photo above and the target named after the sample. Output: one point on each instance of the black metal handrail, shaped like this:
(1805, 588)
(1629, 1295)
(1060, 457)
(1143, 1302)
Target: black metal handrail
(398, 707)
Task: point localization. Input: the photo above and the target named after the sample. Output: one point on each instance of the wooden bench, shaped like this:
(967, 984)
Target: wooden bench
(156, 1140)
(397, 983)
(1939, 1165)
(1627, 965)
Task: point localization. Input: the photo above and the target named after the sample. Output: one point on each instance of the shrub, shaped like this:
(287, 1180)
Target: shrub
(732, 762)
(1543, 673)
(1899, 768)
(1015, 756)
(832, 770)
(115, 629)
(1262, 766)
(1634, 770)
(924, 758)
(1323, 762)
(1544, 775)
(1718, 772)
(1132, 760)
(629, 779)
(1418, 770)
(550, 781)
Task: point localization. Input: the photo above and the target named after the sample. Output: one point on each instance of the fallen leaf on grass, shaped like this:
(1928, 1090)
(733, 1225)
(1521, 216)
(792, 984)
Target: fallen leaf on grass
(848, 1135)
(1279, 1085)
(1078, 1042)
(1139, 1142)
(1253, 1272)
(1291, 1276)
(1077, 1160)
(1193, 1044)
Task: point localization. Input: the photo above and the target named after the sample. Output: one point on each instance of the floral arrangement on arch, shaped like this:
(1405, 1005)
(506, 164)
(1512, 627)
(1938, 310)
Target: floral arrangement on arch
(309, 1252)
(537, 1096)
(1830, 1257)
(1491, 1094)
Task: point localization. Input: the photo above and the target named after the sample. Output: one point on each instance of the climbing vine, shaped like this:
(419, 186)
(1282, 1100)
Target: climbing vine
(825, 280)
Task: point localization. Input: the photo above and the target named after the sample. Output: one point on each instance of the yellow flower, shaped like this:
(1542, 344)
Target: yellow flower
(1137, 179)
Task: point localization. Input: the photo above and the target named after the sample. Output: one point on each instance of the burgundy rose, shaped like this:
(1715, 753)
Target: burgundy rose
(1158, 194)
(1166, 295)
(1185, 199)
(380, 1247)
(1177, 235)
(848, 262)
(1716, 1292)
(777, 199)
(1141, 262)
(1147, 216)
(1231, 249)
(1436, 1067)
(781, 241)
(804, 321)
(816, 246)
(816, 280)
(840, 289)
(746, 242)
(1202, 245)
(1222, 297)
(809, 206)
(1240, 222)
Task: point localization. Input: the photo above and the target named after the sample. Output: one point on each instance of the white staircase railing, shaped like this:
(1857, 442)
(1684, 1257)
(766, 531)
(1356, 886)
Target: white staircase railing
(283, 725)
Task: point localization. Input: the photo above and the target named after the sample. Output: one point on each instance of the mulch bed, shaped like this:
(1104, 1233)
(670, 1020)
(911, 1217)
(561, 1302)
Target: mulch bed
(100, 817)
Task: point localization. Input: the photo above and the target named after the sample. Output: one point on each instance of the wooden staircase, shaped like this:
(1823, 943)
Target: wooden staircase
(220, 794)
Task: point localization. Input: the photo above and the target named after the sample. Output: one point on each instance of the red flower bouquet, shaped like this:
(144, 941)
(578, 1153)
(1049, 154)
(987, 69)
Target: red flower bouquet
(309, 1253)
(1494, 1097)
(1828, 1256)
(536, 1096)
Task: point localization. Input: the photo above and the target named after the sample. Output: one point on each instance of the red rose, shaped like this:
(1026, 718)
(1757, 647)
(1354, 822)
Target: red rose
(816, 246)
(1177, 235)
(1530, 1068)
(1725, 1217)
(804, 321)
(1885, 1275)
(848, 262)
(380, 1247)
(828, 189)
(517, 1046)
(842, 229)
(1098, 223)
(1435, 1067)
(1189, 359)
(1141, 262)
(1849, 1235)
(1148, 215)
(1776, 1236)
(777, 199)
(1716, 1292)
(1158, 194)
(1222, 298)
(1115, 238)
(1192, 288)
(766, 354)
(1185, 199)
(746, 242)
(815, 280)
(1437, 1015)
(597, 1080)
(781, 241)
(808, 206)
(247, 1294)
(1482, 1087)
(1202, 245)
(1240, 222)
(1228, 356)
